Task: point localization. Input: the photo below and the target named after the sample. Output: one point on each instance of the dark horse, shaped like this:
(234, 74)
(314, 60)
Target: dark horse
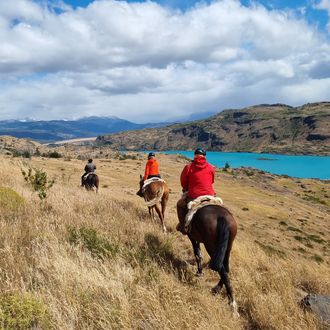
(91, 181)
(216, 227)
(156, 196)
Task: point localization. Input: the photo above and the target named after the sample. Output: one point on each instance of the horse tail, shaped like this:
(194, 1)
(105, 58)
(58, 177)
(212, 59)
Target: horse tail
(223, 234)
(156, 199)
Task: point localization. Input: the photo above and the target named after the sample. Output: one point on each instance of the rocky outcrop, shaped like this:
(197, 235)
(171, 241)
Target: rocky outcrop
(274, 128)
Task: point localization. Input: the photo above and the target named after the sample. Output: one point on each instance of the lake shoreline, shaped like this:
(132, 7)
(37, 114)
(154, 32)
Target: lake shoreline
(300, 167)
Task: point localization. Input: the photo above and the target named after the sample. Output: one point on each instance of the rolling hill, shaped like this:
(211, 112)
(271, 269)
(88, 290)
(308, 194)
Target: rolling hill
(80, 260)
(276, 128)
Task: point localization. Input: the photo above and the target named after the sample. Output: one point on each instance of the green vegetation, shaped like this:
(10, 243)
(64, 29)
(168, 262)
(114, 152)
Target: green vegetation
(10, 200)
(317, 258)
(38, 179)
(314, 199)
(24, 154)
(91, 240)
(21, 312)
(52, 154)
(270, 250)
(226, 167)
(316, 239)
(294, 229)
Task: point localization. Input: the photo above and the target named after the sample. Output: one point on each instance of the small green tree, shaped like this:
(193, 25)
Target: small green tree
(226, 167)
(39, 181)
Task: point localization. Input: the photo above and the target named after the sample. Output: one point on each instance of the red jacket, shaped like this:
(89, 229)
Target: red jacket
(197, 178)
(151, 168)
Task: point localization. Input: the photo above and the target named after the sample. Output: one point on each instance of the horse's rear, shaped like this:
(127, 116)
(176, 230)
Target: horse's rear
(216, 227)
(156, 196)
(91, 181)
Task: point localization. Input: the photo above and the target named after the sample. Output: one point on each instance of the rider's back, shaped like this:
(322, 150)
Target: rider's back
(198, 178)
(90, 167)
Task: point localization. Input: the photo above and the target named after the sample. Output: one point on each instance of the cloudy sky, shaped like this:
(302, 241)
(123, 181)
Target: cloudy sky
(160, 60)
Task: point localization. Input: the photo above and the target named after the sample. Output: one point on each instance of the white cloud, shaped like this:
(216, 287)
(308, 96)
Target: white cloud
(144, 62)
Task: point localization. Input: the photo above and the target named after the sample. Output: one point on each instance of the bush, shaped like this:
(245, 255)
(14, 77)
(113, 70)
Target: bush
(38, 179)
(24, 154)
(52, 154)
(10, 200)
(93, 242)
(23, 312)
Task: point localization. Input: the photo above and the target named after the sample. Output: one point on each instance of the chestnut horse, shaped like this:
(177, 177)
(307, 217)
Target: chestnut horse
(216, 227)
(156, 196)
(91, 181)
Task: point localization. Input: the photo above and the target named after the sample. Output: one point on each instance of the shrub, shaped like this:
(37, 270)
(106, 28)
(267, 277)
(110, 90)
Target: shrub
(317, 258)
(99, 246)
(52, 154)
(226, 167)
(23, 312)
(38, 179)
(10, 200)
(24, 154)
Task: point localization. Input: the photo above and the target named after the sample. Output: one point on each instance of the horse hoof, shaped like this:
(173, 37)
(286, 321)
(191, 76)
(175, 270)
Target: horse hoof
(199, 274)
(234, 308)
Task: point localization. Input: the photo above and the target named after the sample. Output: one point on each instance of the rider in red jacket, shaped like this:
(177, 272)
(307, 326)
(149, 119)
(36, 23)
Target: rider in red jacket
(196, 180)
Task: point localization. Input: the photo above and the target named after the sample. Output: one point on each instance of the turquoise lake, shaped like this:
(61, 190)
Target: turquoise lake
(295, 166)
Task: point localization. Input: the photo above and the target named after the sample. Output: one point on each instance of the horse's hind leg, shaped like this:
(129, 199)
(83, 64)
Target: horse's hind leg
(160, 215)
(219, 286)
(151, 212)
(164, 203)
(198, 256)
(225, 280)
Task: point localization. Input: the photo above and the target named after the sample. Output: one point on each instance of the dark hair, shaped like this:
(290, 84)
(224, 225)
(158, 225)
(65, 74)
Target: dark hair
(151, 154)
(90, 160)
(200, 151)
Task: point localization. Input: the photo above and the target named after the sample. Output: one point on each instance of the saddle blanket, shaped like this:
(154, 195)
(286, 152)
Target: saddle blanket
(148, 181)
(86, 175)
(197, 204)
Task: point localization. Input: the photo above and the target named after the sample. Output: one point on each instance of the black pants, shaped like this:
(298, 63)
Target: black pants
(82, 177)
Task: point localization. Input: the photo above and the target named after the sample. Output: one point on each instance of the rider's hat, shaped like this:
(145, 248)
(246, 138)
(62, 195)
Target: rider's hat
(90, 160)
(151, 154)
(200, 151)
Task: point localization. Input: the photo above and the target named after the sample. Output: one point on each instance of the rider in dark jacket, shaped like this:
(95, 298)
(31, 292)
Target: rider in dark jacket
(89, 168)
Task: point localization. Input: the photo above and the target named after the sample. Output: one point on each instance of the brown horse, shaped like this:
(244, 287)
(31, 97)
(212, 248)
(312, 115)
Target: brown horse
(156, 196)
(216, 227)
(91, 181)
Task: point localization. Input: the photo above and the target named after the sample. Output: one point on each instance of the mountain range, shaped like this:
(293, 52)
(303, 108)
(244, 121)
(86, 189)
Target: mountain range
(55, 130)
(274, 128)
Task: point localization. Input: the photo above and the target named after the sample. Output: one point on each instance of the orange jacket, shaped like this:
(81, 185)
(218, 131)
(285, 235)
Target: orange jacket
(151, 168)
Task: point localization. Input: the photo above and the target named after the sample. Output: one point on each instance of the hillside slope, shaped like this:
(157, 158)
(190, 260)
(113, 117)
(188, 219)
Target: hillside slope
(78, 260)
(264, 128)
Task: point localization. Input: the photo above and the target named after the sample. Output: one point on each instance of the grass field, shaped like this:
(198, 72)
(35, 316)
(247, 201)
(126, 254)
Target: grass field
(77, 260)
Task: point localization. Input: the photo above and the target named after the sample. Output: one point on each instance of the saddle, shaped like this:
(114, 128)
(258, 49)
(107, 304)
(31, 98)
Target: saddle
(197, 204)
(86, 175)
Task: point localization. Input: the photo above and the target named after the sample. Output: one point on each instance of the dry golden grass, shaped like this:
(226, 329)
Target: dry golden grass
(78, 260)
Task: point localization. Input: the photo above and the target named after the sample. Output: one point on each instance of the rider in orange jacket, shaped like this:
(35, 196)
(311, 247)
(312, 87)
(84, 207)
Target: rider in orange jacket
(152, 167)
